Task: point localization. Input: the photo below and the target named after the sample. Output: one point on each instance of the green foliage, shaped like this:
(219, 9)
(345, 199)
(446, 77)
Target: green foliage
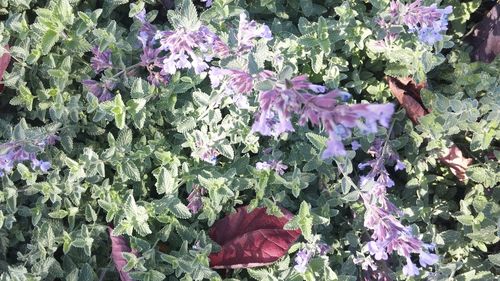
(132, 161)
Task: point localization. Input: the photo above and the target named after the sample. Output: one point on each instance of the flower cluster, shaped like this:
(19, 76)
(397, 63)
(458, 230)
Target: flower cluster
(100, 60)
(14, 152)
(248, 31)
(237, 84)
(427, 21)
(299, 96)
(277, 166)
(389, 234)
(165, 52)
(307, 253)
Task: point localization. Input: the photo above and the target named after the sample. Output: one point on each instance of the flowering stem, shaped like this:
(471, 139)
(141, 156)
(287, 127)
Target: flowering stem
(126, 69)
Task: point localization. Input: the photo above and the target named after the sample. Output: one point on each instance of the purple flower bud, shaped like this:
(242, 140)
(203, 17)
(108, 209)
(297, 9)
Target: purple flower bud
(100, 60)
(210, 156)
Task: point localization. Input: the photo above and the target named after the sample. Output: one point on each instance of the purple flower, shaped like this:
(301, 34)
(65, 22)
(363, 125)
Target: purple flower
(187, 49)
(147, 31)
(14, 152)
(299, 96)
(334, 147)
(302, 260)
(426, 259)
(427, 21)
(208, 3)
(377, 250)
(194, 199)
(323, 248)
(154, 66)
(277, 166)
(100, 60)
(410, 269)
(210, 156)
(102, 90)
(355, 145)
(399, 165)
(248, 31)
(43, 165)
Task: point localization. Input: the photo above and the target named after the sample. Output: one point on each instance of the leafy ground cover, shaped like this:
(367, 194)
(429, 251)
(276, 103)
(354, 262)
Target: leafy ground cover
(249, 140)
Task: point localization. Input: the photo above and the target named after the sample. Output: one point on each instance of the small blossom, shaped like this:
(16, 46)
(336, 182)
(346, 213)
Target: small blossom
(426, 259)
(399, 165)
(323, 248)
(302, 260)
(277, 166)
(187, 48)
(147, 31)
(410, 269)
(355, 145)
(210, 156)
(377, 250)
(100, 60)
(248, 31)
(208, 3)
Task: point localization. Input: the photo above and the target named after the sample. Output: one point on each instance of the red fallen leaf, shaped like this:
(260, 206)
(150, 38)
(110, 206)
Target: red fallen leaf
(120, 245)
(251, 239)
(4, 63)
(408, 94)
(485, 37)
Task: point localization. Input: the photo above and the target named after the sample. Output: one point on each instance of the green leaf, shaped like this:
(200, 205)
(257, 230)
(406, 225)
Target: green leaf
(318, 141)
(165, 183)
(135, 9)
(119, 112)
(186, 125)
(59, 214)
(305, 220)
(494, 259)
(180, 211)
(131, 171)
(49, 39)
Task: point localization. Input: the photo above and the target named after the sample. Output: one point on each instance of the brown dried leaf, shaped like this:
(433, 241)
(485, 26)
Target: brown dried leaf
(408, 94)
(453, 158)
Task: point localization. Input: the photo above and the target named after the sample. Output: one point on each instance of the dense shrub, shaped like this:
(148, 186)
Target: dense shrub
(135, 127)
